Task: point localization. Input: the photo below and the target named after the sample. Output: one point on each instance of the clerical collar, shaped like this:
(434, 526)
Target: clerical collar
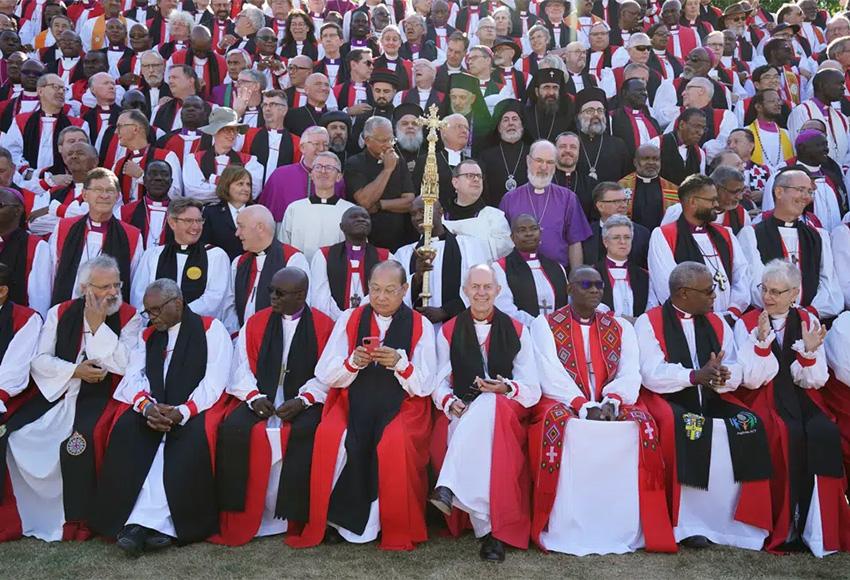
(582, 321)
(539, 191)
(354, 252)
(156, 203)
(182, 248)
(646, 179)
(295, 315)
(488, 320)
(323, 200)
(612, 263)
(769, 126)
(528, 255)
(695, 229)
(99, 227)
(681, 314)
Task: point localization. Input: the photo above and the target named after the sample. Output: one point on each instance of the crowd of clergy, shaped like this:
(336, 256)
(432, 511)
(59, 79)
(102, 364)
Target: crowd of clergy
(220, 318)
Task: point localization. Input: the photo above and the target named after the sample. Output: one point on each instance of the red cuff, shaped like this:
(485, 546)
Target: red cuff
(616, 397)
(349, 367)
(44, 185)
(4, 397)
(515, 385)
(193, 408)
(692, 377)
(252, 394)
(578, 403)
(309, 397)
(762, 351)
(806, 362)
(445, 400)
(139, 396)
(405, 374)
(734, 311)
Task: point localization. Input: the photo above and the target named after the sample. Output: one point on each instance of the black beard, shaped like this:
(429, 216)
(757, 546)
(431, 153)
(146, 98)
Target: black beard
(548, 107)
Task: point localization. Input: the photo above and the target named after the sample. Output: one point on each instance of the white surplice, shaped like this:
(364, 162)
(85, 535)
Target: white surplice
(545, 291)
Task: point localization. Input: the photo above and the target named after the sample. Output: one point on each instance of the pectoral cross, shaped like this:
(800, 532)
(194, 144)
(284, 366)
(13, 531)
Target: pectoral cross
(354, 301)
(649, 431)
(545, 308)
(795, 259)
(720, 279)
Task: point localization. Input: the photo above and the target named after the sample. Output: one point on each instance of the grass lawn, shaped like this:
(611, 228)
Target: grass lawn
(439, 558)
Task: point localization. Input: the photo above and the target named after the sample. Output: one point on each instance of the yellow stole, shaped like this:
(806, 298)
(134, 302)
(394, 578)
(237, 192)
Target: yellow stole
(98, 33)
(784, 143)
(792, 84)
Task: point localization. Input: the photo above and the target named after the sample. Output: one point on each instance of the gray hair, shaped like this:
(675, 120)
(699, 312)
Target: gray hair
(724, 174)
(152, 53)
(372, 123)
(389, 28)
(329, 155)
(553, 61)
(101, 262)
(178, 16)
(256, 76)
(838, 46)
(481, 266)
(617, 221)
(181, 204)
(541, 143)
(782, 271)
(783, 178)
(393, 265)
(255, 15)
(318, 129)
(684, 274)
(540, 28)
(95, 76)
(416, 18)
(703, 83)
(167, 288)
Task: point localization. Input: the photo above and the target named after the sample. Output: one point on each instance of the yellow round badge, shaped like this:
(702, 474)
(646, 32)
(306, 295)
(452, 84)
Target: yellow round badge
(194, 273)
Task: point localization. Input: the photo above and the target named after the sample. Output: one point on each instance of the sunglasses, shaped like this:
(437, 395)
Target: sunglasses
(643, 48)
(588, 284)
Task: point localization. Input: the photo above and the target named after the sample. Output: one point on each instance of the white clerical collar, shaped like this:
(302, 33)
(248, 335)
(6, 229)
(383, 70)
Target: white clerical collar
(617, 263)
(356, 248)
(539, 191)
(683, 314)
(646, 179)
(184, 247)
(383, 318)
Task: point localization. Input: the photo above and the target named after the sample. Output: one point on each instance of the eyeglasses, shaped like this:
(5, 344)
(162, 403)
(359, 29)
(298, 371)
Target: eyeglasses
(801, 189)
(274, 104)
(156, 311)
(711, 200)
(773, 292)
(102, 191)
(642, 48)
(55, 86)
(190, 221)
(113, 286)
(621, 200)
(475, 176)
(704, 291)
(739, 191)
(325, 168)
(154, 65)
(593, 111)
(588, 284)
(375, 291)
(294, 67)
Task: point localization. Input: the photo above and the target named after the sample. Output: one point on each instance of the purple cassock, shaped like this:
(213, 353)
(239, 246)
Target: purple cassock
(288, 184)
(558, 212)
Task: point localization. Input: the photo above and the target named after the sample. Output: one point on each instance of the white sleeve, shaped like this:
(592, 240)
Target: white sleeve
(730, 359)
(749, 246)
(500, 234)
(111, 351)
(219, 355)
(135, 381)
(661, 263)
(555, 382)
(841, 259)
(758, 363)
(657, 374)
(741, 282)
(320, 290)
(242, 381)
(14, 142)
(176, 189)
(505, 298)
(626, 382)
(813, 376)
(835, 346)
(256, 170)
(40, 281)
(218, 281)
(420, 382)
(143, 276)
(136, 258)
(796, 118)
(228, 306)
(15, 373)
(284, 230)
(195, 184)
(672, 214)
(525, 382)
(443, 392)
(51, 373)
(333, 367)
(829, 300)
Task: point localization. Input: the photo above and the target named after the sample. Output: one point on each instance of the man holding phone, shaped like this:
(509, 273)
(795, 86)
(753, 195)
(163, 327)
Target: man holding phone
(486, 384)
(379, 364)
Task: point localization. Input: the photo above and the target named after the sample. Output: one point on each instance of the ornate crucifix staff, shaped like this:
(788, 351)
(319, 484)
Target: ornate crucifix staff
(429, 191)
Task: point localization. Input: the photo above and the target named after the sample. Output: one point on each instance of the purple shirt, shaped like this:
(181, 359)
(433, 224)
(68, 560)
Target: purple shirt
(286, 185)
(559, 212)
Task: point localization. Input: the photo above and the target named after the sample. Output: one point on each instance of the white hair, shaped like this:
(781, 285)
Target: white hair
(373, 123)
(255, 15)
(102, 262)
(167, 288)
(178, 16)
(684, 275)
(782, 271)
(314, 129)
(617, 221)
(703, 83)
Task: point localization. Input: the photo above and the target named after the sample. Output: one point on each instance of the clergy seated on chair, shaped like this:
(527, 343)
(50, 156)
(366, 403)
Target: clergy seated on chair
(252, 271)
(468, 213)
(56, 439)
(610, 198)
(557, 209)
(715, 449)
(156, 484)
(448, 257)
(784, 235)
(649, 194)
(694, 237)
(486, 383)
(313, 222)
(627, 292)
(19, 336)
(76, 240)
(531, 284)
(729, 183)
(368, 475)
(340, 273)
(201, 271)
(589, 370)
(837, 390)
(265, 444)
(783, 359)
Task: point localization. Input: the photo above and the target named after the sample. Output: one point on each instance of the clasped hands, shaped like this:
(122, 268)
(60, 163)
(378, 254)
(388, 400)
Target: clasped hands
(286, 412)
(162, 417)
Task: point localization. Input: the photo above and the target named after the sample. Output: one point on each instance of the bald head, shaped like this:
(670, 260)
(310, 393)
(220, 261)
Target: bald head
(255, 227)
(288, 290)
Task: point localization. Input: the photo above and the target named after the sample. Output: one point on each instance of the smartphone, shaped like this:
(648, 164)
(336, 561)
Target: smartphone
(370, 343)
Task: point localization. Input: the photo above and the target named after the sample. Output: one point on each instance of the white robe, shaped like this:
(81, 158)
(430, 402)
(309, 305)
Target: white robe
(824, 200)
(137, 183)
(309, 226)
(331, 370)
(710, 512)
(490, 225)
(828, 300)
(736, 295)
(836, 127)
(40, 280)
(467, 465)
(243, 385)
(544, 288)
(218, 280)
(151, 508)
(840, 241)
(15, 365)
(33, 454)
(199, 187)
(835, 347)
(320, 289)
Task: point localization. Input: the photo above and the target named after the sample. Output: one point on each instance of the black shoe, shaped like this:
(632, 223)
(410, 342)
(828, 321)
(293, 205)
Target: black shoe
(332, 536)
(132, 540)
(696, 542)
(157, 541)
(492, 550)
(442, 498)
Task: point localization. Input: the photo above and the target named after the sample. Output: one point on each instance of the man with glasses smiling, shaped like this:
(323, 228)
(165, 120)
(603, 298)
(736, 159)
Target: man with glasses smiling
(609, 199)
(690, 372)
(202, 272)
(271, 143)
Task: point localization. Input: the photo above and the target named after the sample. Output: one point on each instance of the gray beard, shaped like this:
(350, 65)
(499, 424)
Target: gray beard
(337, 146)
(410, 144)
(593, 129)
